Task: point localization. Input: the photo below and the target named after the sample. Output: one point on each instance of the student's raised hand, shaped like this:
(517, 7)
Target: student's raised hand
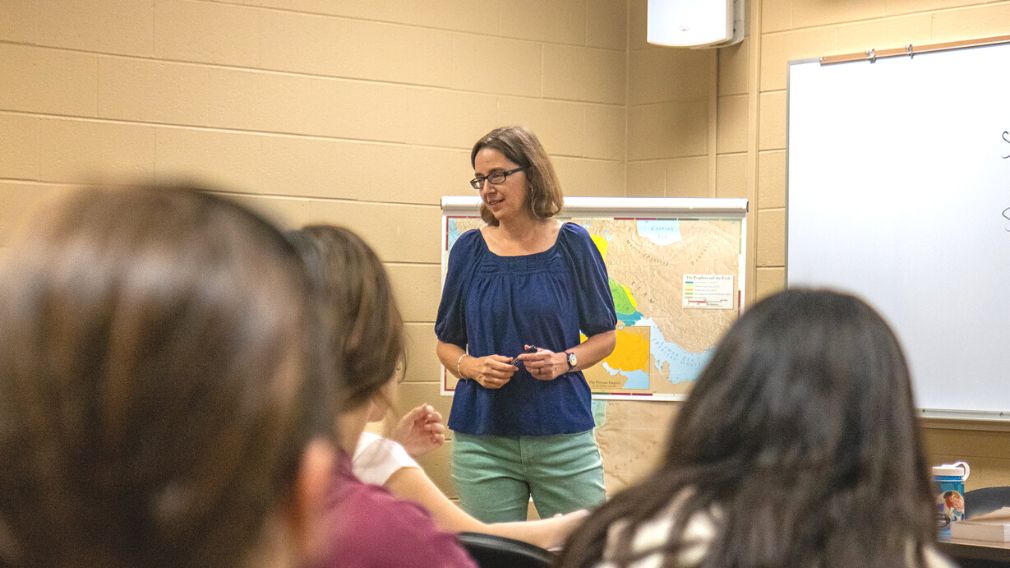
(490, 372)
(420, 430)
(560, 526)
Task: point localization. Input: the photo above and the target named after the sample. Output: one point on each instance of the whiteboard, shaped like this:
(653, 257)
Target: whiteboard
(899, 191)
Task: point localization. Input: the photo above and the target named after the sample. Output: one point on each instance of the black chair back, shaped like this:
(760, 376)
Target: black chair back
(491, 551)
(985, 500)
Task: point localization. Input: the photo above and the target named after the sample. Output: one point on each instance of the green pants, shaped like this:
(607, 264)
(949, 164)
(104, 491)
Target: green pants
(496, 475)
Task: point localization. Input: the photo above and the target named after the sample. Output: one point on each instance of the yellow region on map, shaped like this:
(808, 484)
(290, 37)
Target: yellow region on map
(633, 355)
(601, 243)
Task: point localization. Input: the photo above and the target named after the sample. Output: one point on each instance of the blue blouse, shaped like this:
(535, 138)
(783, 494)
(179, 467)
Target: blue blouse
(492, 305)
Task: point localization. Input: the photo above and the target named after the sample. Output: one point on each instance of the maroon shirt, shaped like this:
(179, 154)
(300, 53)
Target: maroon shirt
(368, 527)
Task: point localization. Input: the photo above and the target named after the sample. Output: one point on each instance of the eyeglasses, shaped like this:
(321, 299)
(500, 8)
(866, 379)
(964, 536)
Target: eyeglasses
(494, 177)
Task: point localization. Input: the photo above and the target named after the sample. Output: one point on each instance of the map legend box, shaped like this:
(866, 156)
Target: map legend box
(708, 291)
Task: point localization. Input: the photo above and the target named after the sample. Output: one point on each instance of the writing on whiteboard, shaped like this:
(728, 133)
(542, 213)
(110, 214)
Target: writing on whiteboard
(1006, 212)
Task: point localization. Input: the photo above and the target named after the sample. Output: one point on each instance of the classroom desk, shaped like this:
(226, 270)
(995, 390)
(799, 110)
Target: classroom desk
(976, 553)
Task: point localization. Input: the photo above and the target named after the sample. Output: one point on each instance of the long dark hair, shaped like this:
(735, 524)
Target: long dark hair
(361, 329)
(799, 440)
(155, 393)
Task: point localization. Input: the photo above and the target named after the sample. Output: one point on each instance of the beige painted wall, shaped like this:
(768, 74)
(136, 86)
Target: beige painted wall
(355, 112)
(361, 112)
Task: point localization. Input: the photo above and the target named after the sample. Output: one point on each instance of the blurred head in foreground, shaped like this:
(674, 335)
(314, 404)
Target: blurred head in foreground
(157, 406)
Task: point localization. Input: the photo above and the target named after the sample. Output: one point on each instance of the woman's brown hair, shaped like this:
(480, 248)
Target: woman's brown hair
(155, 395)
(361, 326)
(520, 145)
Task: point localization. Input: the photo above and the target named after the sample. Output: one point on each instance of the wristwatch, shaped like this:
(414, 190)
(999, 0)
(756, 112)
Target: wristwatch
(572, 359)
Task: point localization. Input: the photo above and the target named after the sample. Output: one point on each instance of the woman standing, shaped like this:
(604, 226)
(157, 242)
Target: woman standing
(517, 295)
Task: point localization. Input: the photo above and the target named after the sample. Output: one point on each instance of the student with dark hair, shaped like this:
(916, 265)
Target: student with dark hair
(361, 349)
(157, 407)
(797, 447)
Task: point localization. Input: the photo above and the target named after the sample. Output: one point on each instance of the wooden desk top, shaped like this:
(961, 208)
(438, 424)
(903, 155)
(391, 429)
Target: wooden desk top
(964, 549)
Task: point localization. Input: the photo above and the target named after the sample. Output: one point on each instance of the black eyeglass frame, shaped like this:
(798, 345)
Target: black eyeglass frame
(495, 177)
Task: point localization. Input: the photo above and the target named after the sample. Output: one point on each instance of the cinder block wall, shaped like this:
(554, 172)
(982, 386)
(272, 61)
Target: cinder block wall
(361, 112)
(712, 122)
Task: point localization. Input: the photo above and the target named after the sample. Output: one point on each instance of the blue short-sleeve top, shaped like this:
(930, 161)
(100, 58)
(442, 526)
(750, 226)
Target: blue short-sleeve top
(493, 305)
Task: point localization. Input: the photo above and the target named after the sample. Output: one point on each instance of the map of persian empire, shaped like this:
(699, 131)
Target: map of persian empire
(665, 336)
(661, 345)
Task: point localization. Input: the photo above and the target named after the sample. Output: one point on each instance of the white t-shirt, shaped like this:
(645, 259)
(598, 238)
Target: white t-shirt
(376, 459)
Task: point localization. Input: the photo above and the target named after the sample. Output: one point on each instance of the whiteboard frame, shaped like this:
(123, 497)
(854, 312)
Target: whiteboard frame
(645, 207)
(974, 419)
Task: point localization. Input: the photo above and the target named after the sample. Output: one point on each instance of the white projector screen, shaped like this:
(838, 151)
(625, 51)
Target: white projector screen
(899, 191)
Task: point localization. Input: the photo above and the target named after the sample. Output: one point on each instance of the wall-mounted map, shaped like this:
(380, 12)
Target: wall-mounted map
(676, 279)
(676, 270)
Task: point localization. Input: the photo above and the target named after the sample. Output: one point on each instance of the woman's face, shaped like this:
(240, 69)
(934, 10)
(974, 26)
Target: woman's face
(507, 199)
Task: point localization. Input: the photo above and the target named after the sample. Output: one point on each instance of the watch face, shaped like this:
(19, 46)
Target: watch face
(572, 361)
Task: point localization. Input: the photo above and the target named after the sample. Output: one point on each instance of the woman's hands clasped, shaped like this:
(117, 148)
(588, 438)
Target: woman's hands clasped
(490, 372)
(544, 364)
(494, 371)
